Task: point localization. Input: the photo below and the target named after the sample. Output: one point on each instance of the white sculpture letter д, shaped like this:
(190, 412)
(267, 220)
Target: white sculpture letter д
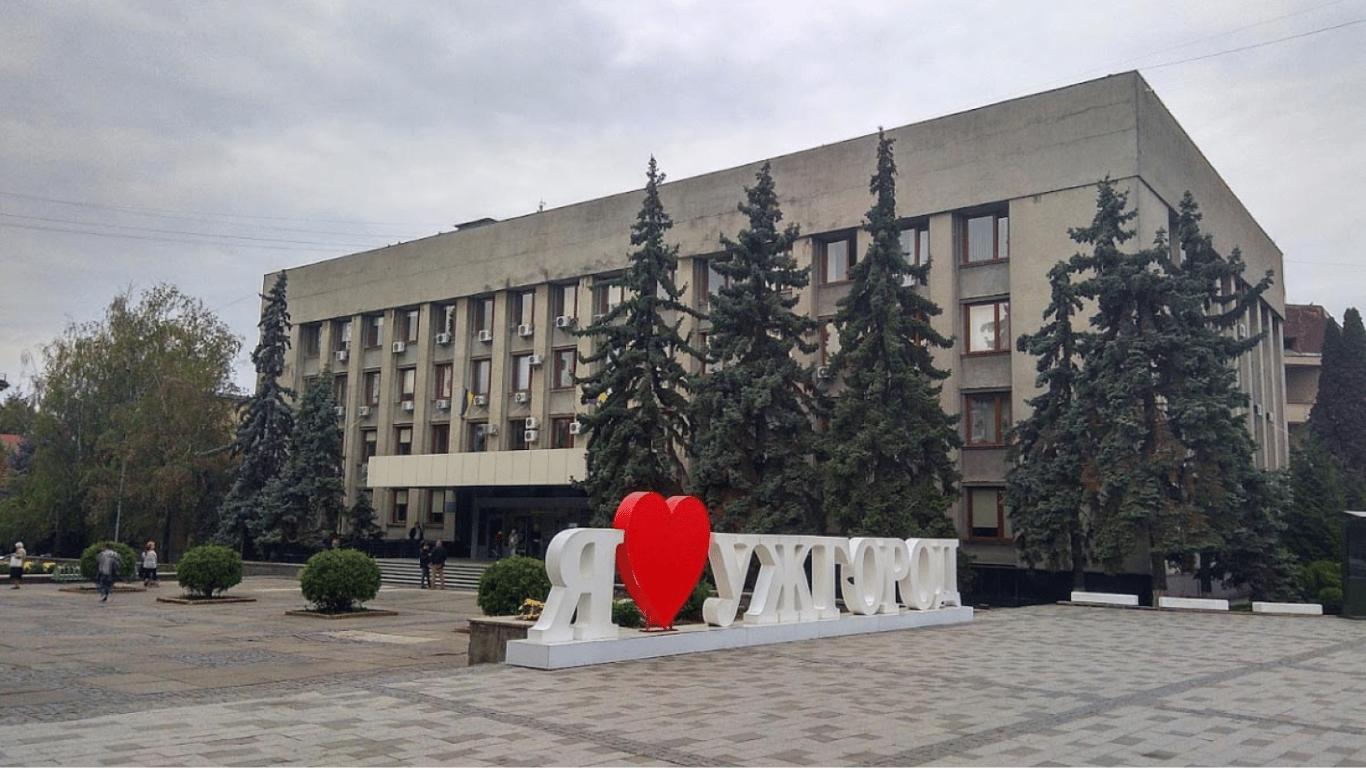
(581, 563)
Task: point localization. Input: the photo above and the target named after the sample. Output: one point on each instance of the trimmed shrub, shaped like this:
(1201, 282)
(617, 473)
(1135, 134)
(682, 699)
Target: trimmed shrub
(208, 570)
(510, 582)
(692, 610)
(1321, 582)
(625, 613)
(339, 580)
(127, 560)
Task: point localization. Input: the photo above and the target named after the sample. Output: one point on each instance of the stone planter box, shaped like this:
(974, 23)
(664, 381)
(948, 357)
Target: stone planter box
(489, 638)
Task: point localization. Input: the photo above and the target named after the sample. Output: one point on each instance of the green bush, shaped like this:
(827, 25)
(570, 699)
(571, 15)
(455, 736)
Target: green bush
(509, 582)
(1321, 582)
(339, 580)
(127, 565)
(209, 570)
(692, 610)
(625, 613)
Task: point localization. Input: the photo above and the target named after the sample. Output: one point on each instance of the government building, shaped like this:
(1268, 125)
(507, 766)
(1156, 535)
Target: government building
(453, 357)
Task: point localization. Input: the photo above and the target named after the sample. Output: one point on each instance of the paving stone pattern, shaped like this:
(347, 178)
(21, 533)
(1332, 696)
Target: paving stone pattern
(135, 682)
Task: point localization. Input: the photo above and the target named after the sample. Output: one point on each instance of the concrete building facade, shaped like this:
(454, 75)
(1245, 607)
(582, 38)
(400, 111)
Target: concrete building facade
(453, 360)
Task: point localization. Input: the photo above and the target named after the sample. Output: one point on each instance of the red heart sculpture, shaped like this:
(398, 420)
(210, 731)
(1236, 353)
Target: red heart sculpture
(662, 553)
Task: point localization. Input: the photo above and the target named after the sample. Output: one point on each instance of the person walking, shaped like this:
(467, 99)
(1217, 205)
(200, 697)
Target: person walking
(148, 566)
(16, 564)
(514, 538)
(439, 565)
(107, 565)
(424, 561)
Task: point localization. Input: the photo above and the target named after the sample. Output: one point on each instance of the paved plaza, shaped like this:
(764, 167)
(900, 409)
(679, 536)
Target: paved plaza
(137, 682)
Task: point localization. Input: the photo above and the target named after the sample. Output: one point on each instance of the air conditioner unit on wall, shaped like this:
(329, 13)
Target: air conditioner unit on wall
(525, 329)
(530, 436)
(341, 411)
(443, 339)
(536, 360)
(399, 347)
(364, 410)
(408, 405)
(564, 321)
(481, 400)
(531, 422)
(575, 427)
(490, 430)
(341, 355)
(823, 372)
(443, 405)
(485, 336)
(521, 397)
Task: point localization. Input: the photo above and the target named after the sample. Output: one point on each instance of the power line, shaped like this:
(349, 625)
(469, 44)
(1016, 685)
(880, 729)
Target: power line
(326, 247)
(178, 232)
(1256, 45)
(170, 213)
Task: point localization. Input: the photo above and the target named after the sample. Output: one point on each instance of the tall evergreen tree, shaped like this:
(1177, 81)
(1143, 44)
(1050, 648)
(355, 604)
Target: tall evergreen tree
(1338, 419)
(303, 504)
(640, 426)
(1313, 523)
(753, 410)
(1046, 498)
(267, 422)
(1138, 440)
(887, 460)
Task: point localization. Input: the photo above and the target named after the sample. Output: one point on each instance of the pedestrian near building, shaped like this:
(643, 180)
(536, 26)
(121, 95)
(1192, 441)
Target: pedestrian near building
(107, 565)
(514, 538)
(439, 565)
(16, 564)
(424, 561)
(148, 566)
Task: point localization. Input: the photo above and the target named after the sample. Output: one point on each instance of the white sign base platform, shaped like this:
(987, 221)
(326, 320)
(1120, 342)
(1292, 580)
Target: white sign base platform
(635, 644)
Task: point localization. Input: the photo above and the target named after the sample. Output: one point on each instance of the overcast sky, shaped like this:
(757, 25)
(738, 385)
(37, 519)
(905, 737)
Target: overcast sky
(205, 144)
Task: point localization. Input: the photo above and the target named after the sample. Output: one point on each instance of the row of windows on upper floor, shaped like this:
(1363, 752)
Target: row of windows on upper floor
(983, 238)
(986, 330)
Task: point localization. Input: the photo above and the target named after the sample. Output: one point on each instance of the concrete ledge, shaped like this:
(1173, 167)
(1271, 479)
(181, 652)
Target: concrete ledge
(1192, 603)
(1298, 609)
(634, 644)
(1104, 598)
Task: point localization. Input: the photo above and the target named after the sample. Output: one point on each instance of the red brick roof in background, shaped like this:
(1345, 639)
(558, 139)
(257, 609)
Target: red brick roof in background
(1304, 324)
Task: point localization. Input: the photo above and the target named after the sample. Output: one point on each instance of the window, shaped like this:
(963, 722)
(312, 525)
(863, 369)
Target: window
(830, 342)
(915, 244)
(524, 308)
(480, 372)
(988, 326)
(709, 281)
(374, 330)
(709, 363)
(517, 428)
(482, 318)
(311, 339)
(407, 378)
(403, 441)
(446, 314)
(988, 418)
(399, 515)
(339, 389)
(836, 258)
(477, 437)
(407, 324)
(560, 436)
(563, 374)
(986, 238)
(369, 440)
(370, 382)
(341, 334)
(606, 296)
(986, 513)
(565, 299)
(521, 373)
(436, 505)
(445, 381)
(440, 441)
